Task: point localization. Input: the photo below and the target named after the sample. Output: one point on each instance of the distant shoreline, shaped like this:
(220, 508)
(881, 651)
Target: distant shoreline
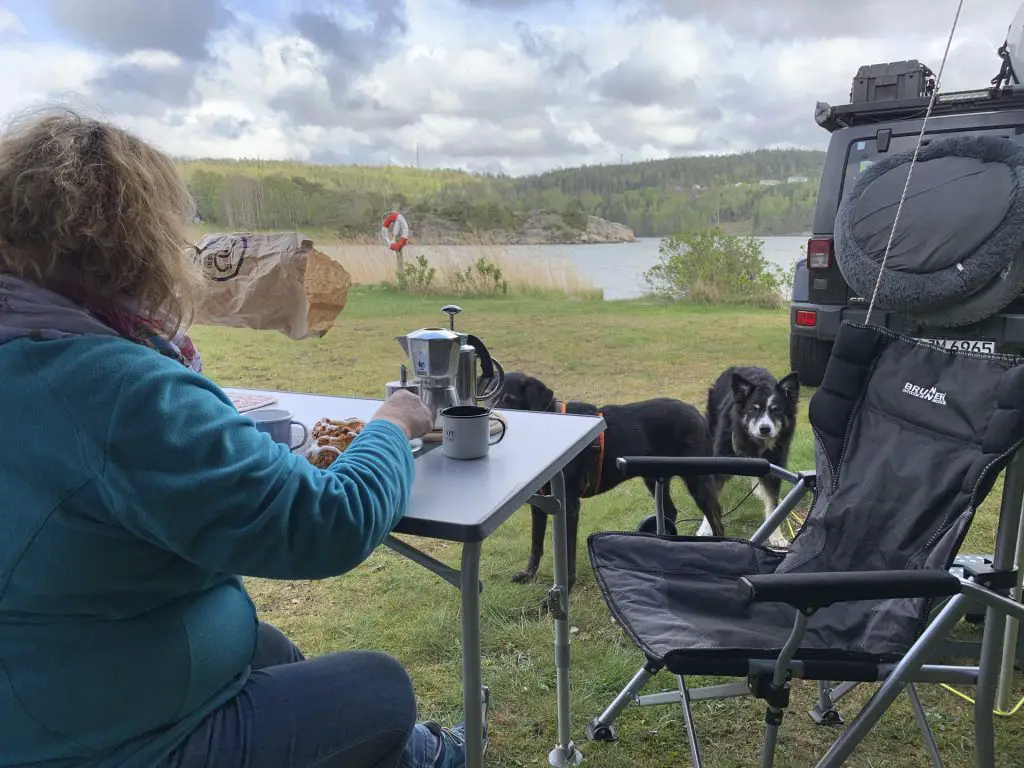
(483, 240)
(742, 193)
(497, 239)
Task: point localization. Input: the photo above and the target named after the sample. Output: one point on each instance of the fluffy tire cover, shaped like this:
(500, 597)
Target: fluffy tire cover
(1006, 286)
(961, 225)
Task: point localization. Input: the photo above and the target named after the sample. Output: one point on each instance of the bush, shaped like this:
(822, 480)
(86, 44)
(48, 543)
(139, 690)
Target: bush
(417, 277)
(788, 276)
(711, 267)
(479, 279)
(484, 277)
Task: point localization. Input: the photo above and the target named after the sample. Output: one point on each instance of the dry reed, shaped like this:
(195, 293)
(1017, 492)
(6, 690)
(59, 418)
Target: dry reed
(527, 271)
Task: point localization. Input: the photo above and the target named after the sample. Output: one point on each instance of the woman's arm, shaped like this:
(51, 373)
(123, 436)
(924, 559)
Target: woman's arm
(188, 473)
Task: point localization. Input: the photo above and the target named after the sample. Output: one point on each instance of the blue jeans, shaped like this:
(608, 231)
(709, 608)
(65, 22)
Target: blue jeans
(354, 710)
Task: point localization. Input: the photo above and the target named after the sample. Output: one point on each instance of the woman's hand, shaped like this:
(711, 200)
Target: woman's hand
(407, 411)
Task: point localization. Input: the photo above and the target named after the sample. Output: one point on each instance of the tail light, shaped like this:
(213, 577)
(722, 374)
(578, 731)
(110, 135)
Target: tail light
(820, 253)
(806, 318)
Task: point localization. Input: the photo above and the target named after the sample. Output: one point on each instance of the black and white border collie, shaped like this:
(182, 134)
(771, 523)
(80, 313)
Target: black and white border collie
(752, 415)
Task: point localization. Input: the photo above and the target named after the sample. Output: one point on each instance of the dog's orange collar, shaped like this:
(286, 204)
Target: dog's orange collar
(600, 458)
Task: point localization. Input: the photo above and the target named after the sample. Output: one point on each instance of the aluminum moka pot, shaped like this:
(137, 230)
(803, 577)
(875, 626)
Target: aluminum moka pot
(434, 354)
(480, 379)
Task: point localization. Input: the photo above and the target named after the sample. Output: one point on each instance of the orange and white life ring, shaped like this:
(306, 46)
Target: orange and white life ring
(395, 231)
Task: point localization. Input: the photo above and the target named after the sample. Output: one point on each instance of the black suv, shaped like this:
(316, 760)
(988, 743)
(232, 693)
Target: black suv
(887, 105)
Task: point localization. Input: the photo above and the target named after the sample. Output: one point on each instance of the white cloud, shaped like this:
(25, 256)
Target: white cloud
(43, 72)
(10, 25)
(151, 59)
(512, 90)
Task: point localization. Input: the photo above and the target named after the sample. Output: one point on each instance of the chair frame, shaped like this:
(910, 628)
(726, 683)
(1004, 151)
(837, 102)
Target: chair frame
(769, 680)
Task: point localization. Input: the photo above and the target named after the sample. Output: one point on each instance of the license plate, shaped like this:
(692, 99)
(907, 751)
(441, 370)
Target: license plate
(965, 345)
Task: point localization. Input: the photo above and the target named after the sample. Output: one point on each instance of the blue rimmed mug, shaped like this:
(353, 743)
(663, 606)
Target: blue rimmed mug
(278, 424)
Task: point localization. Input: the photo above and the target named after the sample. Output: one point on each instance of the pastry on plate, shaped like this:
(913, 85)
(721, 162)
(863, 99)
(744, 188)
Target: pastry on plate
(336, 428)
(330, 438)
(322, 456)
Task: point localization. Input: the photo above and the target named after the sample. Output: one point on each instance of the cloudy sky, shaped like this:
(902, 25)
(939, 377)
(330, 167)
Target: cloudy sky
(491, 85)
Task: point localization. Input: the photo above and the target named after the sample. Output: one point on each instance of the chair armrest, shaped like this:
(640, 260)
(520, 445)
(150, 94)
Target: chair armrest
(817, 590)
(660, 466)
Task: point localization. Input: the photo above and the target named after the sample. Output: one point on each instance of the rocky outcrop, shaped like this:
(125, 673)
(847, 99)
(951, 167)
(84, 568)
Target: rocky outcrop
(537, 228)
(552, 228)
(604, 231)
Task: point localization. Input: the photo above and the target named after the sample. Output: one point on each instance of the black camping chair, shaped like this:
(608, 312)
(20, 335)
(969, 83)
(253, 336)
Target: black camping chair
(909, 439)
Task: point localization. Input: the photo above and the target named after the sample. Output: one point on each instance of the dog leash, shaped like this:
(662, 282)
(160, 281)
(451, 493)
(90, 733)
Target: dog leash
(726, 515)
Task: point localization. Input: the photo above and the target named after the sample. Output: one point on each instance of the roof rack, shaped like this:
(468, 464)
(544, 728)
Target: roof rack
(953, 103)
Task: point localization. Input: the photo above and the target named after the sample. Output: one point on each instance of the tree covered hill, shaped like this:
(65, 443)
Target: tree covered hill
(762, 192)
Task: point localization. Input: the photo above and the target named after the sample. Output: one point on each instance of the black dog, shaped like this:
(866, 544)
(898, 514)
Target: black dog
(659, 427)
(751, 415)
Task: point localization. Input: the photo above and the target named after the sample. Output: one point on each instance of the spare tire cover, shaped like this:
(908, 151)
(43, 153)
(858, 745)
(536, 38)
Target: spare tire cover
(985, 302)
(962, 222)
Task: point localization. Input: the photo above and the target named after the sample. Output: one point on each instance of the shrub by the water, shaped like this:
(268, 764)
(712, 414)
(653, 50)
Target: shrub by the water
(482, 278)
(417, 277)
(712, 267)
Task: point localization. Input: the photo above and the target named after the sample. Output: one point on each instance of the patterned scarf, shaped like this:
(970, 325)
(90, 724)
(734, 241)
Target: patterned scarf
(148, 332)
(28, 309)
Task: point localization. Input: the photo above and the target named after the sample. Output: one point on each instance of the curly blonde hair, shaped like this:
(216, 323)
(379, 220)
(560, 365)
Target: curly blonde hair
(86, 206)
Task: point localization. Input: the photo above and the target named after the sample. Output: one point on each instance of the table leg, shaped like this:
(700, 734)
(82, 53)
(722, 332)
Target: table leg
(472, 676)
(565, 753)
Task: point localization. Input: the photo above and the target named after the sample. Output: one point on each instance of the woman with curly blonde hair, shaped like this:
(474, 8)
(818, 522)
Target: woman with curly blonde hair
(136, 496)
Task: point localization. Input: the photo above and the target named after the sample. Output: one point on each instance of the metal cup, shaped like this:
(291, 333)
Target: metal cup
(466, 431)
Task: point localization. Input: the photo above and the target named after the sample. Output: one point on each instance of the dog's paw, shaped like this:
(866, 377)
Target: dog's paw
(705, 528)
(524, 577)
(778, 541)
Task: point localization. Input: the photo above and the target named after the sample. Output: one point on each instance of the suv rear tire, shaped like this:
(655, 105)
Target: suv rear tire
(809, 357)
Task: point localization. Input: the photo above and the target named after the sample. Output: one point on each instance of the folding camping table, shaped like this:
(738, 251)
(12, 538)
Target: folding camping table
(466, 501)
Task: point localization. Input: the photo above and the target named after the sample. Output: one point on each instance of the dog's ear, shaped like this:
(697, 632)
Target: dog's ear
(741, 386)
(790, 386)
(538, 396)
(512, 389)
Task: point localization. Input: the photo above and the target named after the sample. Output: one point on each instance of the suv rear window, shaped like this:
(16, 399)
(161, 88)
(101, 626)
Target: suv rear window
(863, 153)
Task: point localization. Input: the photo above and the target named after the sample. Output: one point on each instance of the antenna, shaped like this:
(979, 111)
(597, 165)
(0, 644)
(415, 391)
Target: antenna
(913, 162)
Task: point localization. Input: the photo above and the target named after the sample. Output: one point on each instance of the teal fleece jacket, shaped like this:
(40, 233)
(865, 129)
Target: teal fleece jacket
(134, 496)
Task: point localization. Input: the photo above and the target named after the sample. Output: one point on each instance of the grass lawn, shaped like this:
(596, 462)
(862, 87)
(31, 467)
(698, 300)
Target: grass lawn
(600, 352)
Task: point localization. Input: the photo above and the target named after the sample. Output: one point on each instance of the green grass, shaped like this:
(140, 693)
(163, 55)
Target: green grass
(596, 351)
